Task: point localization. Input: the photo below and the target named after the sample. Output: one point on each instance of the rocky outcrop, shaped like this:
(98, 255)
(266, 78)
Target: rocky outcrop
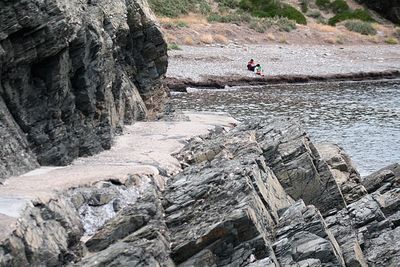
(72, 72)
(343, 170)
(389, 9)
(235, 203)
(15, 155)
(298, 165)
(383, 179)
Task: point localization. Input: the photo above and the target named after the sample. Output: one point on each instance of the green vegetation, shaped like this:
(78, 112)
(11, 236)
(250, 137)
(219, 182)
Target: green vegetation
(391, 41)
(304, 5)
(360, 27)
(233, 17)
(339, 6)
(272, 8)
(359, 14)
(174, 46)
(314, 14)
(228, 3)
(263, 24)
(175, 8)
(323, 4)
(178, 24)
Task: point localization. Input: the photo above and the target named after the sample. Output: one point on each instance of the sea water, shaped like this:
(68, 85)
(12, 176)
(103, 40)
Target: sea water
(361, 117)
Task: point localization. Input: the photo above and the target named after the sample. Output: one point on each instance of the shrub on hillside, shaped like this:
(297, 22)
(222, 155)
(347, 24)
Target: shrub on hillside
(234, 17)
(304, 5)
(339, 6)
(263, 24)
(359, 14)
(228, 3)
(314, 13)
(359, 26)
(175, 8)
(391, 41)
(271, 8)
(323, 4)
(173, 46)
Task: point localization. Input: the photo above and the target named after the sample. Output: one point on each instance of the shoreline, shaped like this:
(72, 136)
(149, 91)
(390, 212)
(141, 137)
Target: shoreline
(181, 84)
(212, 66)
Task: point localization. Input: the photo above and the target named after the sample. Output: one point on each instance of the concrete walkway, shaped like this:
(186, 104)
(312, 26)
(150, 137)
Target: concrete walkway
(144, 148)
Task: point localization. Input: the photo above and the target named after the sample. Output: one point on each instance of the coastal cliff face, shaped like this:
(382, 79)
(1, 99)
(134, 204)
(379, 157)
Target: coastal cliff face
(389, 9)
(247, 197)
(71, 74)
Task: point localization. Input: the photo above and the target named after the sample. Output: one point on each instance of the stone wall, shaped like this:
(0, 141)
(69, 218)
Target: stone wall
(73, 72)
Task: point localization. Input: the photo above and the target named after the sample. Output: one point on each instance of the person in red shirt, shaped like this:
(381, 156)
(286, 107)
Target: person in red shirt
(251, 65)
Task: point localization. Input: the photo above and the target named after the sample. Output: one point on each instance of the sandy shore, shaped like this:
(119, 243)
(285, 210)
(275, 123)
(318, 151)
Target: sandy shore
(144, 148)
(198, 63)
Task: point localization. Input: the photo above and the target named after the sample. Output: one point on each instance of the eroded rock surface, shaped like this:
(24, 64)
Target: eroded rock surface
(72, 72)
(227, 207)
(344, 171)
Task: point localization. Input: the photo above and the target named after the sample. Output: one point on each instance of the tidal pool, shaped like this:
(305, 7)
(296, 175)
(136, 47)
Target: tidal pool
(362, 117)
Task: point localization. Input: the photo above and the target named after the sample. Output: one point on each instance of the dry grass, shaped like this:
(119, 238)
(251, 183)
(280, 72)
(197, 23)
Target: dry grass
(373, 39)
(330, 40)
(271, 36)
(189, 19)
(340, 39)
(323, 28)
(382, 28)
(392, 41)
(206, 39)
(283, 39)
(188, 40)
(219, 38)
(170, 38)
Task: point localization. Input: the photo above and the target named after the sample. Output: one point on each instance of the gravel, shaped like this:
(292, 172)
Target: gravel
(195, 62)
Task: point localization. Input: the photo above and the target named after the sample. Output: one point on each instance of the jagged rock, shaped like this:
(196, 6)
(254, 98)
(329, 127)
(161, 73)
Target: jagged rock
(226, 208)
(302, 238)
(46, 235)
(72, 72)
(343, 170)
(15, 155)
(221, 210)
(367, 230)
(137, 236)
(297, 163)
(384, 179)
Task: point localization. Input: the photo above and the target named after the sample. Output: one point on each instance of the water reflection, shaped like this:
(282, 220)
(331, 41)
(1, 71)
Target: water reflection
(362, 117)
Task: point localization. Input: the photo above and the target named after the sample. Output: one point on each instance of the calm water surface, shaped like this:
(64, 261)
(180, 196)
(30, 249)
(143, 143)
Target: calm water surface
(362, 117)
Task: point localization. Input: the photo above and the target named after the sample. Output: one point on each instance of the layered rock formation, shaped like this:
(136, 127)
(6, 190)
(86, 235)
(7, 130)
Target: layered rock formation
(389, 9)
(247, 197)
(71, 73)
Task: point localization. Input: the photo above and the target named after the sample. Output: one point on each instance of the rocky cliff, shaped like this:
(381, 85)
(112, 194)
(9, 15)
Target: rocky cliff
(389, 9)
(261, 194)
(71, 74)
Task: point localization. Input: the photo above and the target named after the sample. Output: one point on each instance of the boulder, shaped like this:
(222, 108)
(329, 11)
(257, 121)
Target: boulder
(383, 179)
(222, 208)
(297, 164)
(344, 171)
(302, 238)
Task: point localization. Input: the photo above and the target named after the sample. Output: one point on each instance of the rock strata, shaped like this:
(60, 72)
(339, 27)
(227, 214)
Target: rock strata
(72, 72)
(237, 202)
(344, 171)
